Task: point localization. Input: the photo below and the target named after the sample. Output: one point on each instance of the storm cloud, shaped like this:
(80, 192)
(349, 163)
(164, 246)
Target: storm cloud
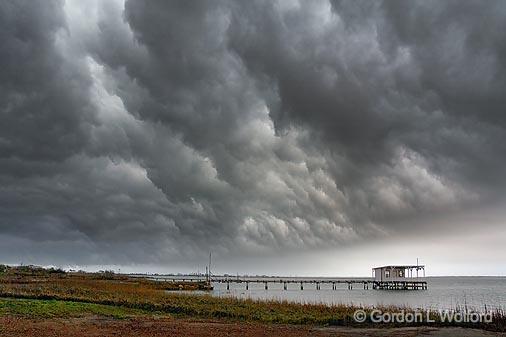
(157, 131)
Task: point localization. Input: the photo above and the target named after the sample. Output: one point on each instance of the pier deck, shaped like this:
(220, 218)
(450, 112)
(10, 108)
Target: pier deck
(408, 284)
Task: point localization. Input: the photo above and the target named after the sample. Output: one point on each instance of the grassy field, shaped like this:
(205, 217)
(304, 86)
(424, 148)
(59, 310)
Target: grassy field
(43, 293)
(63, 309)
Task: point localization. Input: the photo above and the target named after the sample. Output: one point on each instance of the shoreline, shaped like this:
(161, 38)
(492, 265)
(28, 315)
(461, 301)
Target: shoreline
(45, 318)
(43, 295)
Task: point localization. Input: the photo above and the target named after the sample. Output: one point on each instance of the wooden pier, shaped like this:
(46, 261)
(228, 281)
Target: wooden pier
(302, 284)
(391, 277)
(317, 284)
(400, 285)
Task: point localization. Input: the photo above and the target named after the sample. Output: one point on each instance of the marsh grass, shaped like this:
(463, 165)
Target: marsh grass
(62, 309)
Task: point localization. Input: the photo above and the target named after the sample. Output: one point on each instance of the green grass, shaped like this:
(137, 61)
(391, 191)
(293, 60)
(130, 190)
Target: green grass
(63, 309)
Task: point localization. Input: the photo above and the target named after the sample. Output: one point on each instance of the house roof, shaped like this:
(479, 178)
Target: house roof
(401, 267)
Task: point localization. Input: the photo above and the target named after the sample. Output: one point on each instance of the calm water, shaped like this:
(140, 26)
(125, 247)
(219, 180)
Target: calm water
(442, 293)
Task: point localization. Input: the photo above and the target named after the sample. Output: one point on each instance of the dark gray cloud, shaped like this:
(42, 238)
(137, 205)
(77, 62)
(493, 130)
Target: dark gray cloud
(38, 86)
(156, 131)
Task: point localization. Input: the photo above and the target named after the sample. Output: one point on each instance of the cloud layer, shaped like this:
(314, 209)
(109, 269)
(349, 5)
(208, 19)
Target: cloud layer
(155, 131)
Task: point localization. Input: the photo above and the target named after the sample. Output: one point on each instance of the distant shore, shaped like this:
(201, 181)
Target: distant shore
(38, 295)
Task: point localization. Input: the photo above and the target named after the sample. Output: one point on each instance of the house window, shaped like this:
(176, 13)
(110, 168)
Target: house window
(387, 273)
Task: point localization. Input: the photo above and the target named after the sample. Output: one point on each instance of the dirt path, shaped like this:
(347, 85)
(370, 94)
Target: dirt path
(141, 327)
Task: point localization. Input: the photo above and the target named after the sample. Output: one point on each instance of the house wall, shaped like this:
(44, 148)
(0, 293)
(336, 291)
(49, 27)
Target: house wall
(380, 274)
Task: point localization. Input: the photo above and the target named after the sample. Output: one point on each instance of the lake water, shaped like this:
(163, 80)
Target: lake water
(442, 293)
(476, 293)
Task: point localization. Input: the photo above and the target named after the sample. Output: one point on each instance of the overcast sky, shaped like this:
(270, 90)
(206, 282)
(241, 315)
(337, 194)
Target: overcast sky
(287, 137)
